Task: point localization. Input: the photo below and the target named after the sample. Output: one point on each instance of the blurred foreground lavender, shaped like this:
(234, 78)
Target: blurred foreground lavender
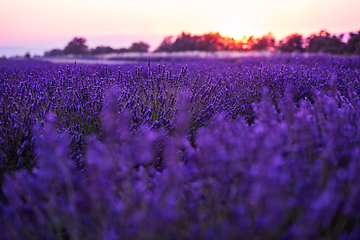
(259, 148)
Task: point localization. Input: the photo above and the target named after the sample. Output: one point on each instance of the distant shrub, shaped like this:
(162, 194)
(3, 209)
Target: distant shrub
(121, 50)
(54, 53)
(101, 50)
(77, 47)
(353, 45)
(325, 43)
(292, 43)
(139, 47)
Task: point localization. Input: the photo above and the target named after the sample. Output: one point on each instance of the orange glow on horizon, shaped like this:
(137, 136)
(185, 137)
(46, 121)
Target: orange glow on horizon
(239, 32)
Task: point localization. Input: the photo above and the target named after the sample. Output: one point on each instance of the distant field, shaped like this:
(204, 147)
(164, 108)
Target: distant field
(198, 54)
(72, 60)
(133, 57)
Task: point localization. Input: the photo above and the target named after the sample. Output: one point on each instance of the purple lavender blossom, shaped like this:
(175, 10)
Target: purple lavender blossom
(257, 148)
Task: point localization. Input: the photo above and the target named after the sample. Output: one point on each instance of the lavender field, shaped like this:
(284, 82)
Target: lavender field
(262, 147)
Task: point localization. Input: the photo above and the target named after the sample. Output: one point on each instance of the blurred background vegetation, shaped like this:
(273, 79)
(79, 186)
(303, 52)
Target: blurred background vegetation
(322, 42)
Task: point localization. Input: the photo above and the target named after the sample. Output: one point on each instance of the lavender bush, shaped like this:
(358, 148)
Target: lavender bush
(255, 148)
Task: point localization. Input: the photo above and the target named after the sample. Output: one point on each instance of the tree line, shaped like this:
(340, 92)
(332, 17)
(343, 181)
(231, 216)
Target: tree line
(78, 46)
(322, 42)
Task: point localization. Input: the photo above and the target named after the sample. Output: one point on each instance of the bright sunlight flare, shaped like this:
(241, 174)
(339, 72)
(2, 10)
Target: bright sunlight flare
(239, 31)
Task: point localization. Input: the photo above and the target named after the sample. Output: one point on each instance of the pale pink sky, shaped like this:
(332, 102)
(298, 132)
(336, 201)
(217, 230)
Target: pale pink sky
(40, 25)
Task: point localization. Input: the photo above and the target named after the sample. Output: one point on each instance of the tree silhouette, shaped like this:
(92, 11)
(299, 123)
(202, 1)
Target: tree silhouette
(210, 42)
(292, 43)
(102, 50)
(206, 42)
(250, 42)
(165, 45)
(139, 47)
(76, 46)
(121, 50)
(324, 42)
(266, 42)
(353, 44)
(54, 53)
(184, 42)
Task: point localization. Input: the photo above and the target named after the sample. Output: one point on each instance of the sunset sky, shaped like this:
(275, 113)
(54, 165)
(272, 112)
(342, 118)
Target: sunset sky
(38, 25)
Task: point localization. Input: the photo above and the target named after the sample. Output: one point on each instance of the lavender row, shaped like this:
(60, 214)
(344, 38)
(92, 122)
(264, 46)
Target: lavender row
(75, 95)
(293, 175)
(214, 150)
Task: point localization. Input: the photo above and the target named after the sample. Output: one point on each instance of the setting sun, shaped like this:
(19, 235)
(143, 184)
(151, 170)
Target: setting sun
(239, 31)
